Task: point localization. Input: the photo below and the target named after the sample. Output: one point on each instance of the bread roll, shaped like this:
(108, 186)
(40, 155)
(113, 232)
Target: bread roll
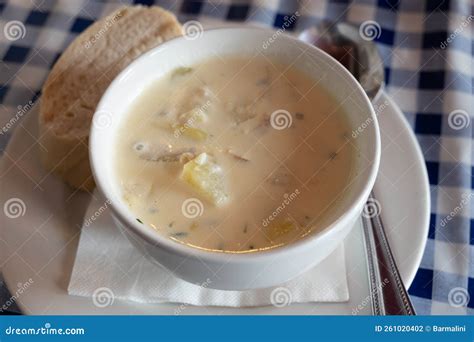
(80, 77)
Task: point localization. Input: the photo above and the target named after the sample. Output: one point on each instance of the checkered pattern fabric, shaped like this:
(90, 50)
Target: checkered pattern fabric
(427, 48)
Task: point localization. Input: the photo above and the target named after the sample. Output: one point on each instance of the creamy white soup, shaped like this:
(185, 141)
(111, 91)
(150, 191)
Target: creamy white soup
(234, 154)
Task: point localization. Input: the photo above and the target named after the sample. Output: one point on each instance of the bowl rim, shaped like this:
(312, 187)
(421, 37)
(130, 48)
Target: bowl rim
(176, 247)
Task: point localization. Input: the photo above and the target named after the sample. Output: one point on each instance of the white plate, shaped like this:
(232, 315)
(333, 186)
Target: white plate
(41, 244)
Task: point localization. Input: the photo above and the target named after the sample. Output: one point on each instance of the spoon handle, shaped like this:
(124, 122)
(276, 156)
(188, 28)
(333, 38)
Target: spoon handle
(389, 295)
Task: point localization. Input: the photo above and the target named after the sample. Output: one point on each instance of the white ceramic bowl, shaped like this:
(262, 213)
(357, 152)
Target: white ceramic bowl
(226, 270)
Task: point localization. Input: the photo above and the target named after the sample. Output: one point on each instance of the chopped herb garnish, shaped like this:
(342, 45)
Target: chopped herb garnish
(181, 71)
(179, 234)
(266, 79)
(263, 82)
(299, 116)
(139, 146)
(171, 224)
(140, 221)
(238, 157)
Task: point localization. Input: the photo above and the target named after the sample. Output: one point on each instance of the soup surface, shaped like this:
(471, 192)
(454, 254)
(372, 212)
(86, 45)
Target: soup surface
(235, 155)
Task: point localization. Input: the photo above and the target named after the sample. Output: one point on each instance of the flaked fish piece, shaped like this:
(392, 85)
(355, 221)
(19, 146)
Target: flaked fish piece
(164, 153)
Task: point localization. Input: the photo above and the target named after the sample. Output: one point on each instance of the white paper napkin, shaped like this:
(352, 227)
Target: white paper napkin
(107, 262)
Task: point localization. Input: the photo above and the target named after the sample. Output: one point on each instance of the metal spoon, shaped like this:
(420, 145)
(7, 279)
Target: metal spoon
(359, 55)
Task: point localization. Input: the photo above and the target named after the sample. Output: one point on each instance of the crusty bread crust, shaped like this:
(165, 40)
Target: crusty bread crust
(80, 77)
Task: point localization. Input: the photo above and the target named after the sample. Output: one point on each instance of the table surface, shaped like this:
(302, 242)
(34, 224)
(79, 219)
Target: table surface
(427, 48)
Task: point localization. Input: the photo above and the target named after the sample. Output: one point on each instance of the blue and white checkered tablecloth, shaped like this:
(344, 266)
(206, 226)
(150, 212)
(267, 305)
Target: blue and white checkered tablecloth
(428, 51)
